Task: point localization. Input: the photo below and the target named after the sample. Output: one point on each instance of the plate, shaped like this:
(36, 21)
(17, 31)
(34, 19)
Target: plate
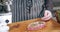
(36, 25)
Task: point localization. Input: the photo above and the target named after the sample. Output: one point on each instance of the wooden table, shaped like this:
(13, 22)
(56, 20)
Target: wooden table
(51, 26)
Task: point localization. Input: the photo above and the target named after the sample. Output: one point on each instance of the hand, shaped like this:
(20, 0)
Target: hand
(47, 15)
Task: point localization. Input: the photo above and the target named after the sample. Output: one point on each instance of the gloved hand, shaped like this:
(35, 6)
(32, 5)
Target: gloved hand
(47, 15)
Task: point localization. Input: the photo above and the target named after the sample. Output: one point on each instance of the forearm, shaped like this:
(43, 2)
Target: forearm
(49, 5)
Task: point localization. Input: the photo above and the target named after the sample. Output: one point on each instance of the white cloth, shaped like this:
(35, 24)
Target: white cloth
(3, 26)
(4, 29)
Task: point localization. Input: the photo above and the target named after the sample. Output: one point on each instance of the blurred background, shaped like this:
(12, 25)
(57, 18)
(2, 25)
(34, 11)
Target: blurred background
(9, 9)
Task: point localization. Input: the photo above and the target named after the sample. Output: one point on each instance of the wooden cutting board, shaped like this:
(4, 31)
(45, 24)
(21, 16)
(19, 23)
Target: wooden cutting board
(51, 26)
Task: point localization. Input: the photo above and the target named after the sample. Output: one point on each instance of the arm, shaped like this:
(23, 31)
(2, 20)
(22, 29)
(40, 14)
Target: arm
(48, 10)
(49, 5)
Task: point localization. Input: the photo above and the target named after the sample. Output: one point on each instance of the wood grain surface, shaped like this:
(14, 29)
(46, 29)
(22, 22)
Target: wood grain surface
(51, 26)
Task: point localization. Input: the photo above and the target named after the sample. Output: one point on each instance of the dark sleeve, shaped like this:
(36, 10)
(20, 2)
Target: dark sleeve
(49, 5)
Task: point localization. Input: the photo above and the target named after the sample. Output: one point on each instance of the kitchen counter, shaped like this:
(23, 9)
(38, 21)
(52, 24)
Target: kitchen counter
(51, 26)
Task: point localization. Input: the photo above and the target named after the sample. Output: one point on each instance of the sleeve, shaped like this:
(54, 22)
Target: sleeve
(49, 5)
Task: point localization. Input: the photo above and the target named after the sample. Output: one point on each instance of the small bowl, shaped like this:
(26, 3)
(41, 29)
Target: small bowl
(36, 25)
